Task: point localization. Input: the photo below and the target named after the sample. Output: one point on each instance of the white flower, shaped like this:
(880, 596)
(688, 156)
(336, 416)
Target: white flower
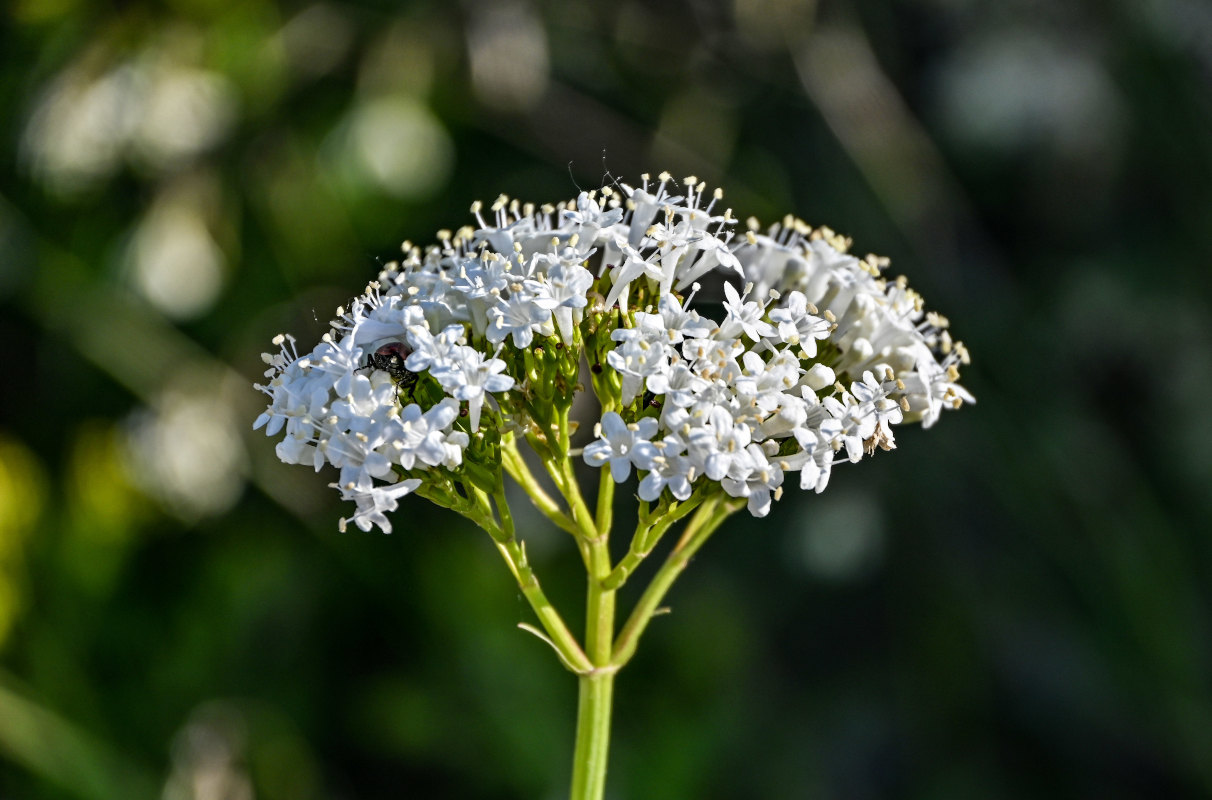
(298, 448)
(616, 443)
(769, 263)
(676, 241)
(388, 321)
(518, 316)
(679, 385)
(764, 382)
(754, 477)
(423, 436)
(431, 352)
(743, 316)
(634, 265)
(372, 503)
(815, 459)
(873, 396)
(931, 388)
(336, 362)
(716, 447)
(562, 291)
(819, 376)
(469, 376)
(741, 399)
(666, 467)
(789, 415)
(297, 397)
(641, 353)
(480, 282)
(589, 218)
(684, 323)
(368, 399)
(481, 277)
(356, 454)
(798, 327)
(714, 360)
(646, 207)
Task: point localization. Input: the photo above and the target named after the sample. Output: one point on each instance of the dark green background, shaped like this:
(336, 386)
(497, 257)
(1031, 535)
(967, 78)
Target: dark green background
(1014, 604)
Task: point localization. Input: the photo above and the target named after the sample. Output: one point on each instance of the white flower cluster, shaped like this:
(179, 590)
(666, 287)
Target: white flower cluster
(815, 357)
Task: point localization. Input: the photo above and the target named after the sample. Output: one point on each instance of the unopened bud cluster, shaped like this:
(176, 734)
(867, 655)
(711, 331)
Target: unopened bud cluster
(722, 359)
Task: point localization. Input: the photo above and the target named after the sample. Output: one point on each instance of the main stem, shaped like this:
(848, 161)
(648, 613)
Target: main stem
(601, 657)
(596, 688)
(593, 736)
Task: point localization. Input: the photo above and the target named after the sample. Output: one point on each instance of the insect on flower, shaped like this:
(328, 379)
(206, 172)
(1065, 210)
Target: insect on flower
(390, 358)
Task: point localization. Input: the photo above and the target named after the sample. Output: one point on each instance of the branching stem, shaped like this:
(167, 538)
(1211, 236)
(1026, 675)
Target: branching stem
(709, 516)
(602, 654)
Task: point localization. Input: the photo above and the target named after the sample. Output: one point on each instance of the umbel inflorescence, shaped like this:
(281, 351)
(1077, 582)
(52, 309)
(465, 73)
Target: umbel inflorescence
(724, 357)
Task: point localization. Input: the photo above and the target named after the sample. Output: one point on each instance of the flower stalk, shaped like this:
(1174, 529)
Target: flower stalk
(594, 705)
(457, 357)
(596, 687)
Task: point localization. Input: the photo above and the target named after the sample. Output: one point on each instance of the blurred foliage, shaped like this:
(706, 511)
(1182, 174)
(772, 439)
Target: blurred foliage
(1015, 604)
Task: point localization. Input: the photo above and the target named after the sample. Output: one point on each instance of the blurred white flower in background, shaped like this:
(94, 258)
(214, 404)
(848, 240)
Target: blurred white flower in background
(156, 109)
(174, 260)
(509, 59)
(208, 755)
(317, 39)
(845, 537)
(78, 130)
(182, 112)
(1021, 88)
(185, 451)
(398, 144)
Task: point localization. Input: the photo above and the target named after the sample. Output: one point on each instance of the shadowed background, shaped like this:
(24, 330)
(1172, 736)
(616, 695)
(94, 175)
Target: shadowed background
(1013, 604)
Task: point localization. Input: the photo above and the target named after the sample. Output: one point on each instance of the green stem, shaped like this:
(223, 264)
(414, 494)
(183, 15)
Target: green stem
(514, 553)
(701, 526)
(599, 612)
(596, 688)
(593, 736)
(559, 637)
(580, 511)
(645, 539)
(602, 654)
(572, 489)
(605, 518)
(559, 467)
(513, 463)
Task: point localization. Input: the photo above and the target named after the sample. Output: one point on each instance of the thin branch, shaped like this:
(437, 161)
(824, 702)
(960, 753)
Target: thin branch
(516, 466)
(646, 538)
(709, 516)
